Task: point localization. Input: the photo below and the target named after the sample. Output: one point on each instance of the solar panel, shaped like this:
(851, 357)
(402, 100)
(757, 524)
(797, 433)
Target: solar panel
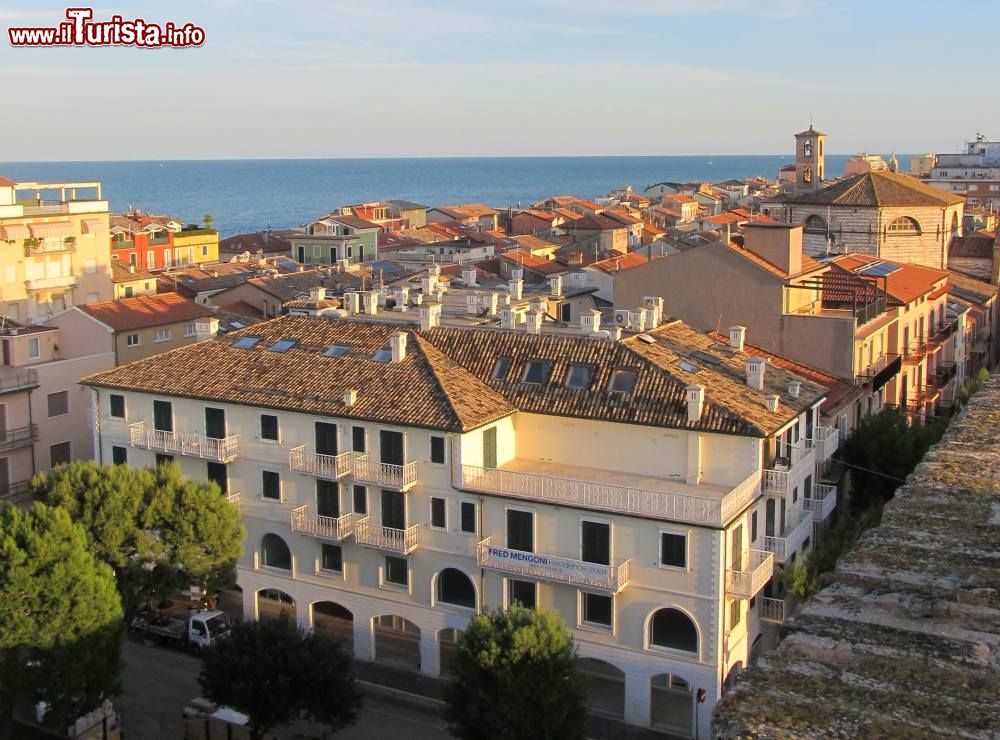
(236, 325)
(282, 345)
(337, 350)
(879, 269)
(247, 342)
(688, 367)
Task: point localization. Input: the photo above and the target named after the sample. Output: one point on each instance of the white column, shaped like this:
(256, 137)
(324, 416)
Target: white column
(303, 615)
(364, 638)
(430, 653)
(637, 699)
(250, 604)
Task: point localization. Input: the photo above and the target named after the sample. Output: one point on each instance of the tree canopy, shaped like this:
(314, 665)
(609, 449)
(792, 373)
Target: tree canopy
(60, 616)
(276, 673)
(514, 677)
(158, 532)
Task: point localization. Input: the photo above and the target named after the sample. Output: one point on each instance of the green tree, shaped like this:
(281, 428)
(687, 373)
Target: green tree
(60, 617)
(514, 677)
(275, 673)
(208, 219)
(158, 532)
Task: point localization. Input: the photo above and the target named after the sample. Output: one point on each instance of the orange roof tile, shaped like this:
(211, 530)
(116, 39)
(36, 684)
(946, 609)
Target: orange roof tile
(906, 284)
(621, 262)
(145, 311)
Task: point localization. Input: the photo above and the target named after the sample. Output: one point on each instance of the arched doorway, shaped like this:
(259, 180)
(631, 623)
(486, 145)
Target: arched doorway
(332, 619)
(671, 704)
(455, 587)
(397, 641)
(673, 629)
(605, 687)
(274, 552)
(447, 647)
(272, 603)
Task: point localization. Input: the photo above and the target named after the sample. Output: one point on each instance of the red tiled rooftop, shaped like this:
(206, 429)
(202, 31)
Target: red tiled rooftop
(145, 311)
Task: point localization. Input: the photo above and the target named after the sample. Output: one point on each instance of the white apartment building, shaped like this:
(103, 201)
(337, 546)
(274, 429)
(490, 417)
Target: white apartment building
(395, 479)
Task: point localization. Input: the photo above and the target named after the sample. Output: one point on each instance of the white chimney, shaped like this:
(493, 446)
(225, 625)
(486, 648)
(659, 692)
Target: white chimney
(469, 275)
(371, 302)
(535, 322)
(508, 318)
(737, 336)
(555, 286)
(794, 387)
(418, 299)
(206, 328)
(430, 315)
(638, 319)
(401, 296)
(317, 294)
(590, 321)
(695, 402)
(428, 283)
(352, 302)
(615, 332)
(772, 402)
(540, 305)
(517, 274)
(350, 397)
(397, 343)
(472, 304)
(652, 317)
(492, 300)
(516, 288)
(435, 270)
(755, 372)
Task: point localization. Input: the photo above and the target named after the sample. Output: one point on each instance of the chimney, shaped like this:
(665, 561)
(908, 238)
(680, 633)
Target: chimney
(492, 300)
(517, 274)
(397, 343)
(370, 300)
(402, 297)
(638, 319)
(779, 244)
(352, 302)
(206, 328)
(350, 397)
(508, 318)
(755, 372)
(794, 387)
(469, 275)
(427, 284)
(615, 332)
(772, 402)
(590, 321)
(317, 294)
(535, 322)
(516, 287)
(737, 336)
(435, 270)
(695, 402)
(430, 315)
(472, 304)
(725, 235)
(555, 286)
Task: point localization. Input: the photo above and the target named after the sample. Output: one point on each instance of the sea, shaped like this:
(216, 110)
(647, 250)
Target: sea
(253, 194)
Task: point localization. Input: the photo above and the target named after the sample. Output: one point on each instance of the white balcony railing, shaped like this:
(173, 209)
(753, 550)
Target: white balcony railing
(611, 578)
(234, 499)
(772, 610)
(825, 441)
(322, 466)
(751, 575)
(402, 541)
(336, 528)
(222, 450)
(792, 538)
(792, 471)
(51, 283)
(607, 497)
(822, 503)
(385, 475)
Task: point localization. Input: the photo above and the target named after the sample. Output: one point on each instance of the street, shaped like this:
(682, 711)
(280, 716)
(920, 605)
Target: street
(160, 681)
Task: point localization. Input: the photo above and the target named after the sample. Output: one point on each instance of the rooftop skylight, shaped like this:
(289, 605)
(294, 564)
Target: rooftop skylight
(622, 380)
(579, 376)
(383, 355)
(282, 345)
(536, 372)
(337, 350)
(247, 342)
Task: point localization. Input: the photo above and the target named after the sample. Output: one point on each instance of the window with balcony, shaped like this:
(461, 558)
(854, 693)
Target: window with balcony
(269, 427)
(522, 592)
(215, 423)
(454, 587)
(218, 474)
(520, 530)
(490, 447)
(396, 571)
(393, 510)
(595, 542)
(162, 459)
(119, 455)
(597, 609)
(360, 500)
(326, 438)
(437, 450)
(673, 550)
(270, 485)
(358, 439)
(58, 403)
(116, 406)
(438, 513)
(163, 416)
(391, 447)
(274, 553)
(672, 628)
(468, 512)
(328, 498)
(332, 558)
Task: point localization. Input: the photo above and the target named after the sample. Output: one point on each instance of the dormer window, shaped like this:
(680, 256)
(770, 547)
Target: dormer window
(501, 368)
(579, 376)
(622, 380)
(536, 372)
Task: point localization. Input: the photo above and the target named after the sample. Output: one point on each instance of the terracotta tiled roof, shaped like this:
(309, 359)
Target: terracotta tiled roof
(355, 222)
(534, 262)
(970, 288)
(594, 222)
(808, 263)
(268, 242)
(426, 389)
(121, 274)
(530, 241)
(5, 183)
(145, 311)
(906, 284)
(622, 262)
(293, 285)
(879, 189)
(679, 198)
(977, 244)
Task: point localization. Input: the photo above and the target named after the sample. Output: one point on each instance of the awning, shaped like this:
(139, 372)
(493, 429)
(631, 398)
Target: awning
(55, 230)
(14, 232)
(94, 226)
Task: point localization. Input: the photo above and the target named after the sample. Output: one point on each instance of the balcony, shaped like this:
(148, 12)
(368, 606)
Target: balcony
(334, 528)
(384, 475)
(824, 441)
(18, 380)
(51, 283)
(880, 371)
(16, 493)
(333, 467)
(822, 502)
(399, 541)
(234, 499)
(791, 471)
(772, 610)
(158, 241)
(607, 490)
(19, 437)
(611, 578)
(943, 374)
(753, 574)
(790, 541)
(223, 450)
(49, 246)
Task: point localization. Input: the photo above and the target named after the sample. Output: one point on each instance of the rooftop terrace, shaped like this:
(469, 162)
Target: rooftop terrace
(904, 641)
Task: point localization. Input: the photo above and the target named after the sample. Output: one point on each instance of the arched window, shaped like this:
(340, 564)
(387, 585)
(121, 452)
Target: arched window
(672, 628)
(274, 553)
(904, 225)
(815, 225)
(454, 587)
(807, 174)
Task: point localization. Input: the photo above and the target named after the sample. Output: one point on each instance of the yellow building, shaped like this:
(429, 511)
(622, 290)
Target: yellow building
(196, 246)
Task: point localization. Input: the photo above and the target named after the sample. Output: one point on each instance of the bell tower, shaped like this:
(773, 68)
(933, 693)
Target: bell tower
(810, 159)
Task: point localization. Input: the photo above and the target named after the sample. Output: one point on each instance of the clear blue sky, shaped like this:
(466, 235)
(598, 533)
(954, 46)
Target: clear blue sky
(327, 78)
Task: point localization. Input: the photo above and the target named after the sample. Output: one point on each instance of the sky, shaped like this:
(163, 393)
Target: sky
(384, 78)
